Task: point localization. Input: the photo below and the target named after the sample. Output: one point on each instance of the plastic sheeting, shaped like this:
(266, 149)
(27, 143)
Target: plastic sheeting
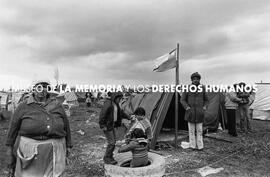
(261, 104)
(205, 171)
(261, 115)
(146, 100)
(14, 101)
(3, 99)
(262, 98)
(69, 97)
(215, 112)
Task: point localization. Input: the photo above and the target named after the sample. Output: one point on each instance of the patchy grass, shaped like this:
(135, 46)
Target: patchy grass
(249, 156)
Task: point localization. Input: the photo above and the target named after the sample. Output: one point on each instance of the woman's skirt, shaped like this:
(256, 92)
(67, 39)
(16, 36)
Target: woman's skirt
(44, 158)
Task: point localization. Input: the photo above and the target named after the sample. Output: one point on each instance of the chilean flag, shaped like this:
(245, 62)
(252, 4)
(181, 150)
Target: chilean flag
(165, 62)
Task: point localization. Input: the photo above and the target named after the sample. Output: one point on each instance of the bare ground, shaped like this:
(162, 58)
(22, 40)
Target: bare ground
(248, 156)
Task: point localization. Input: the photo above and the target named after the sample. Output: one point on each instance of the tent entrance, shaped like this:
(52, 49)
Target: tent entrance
(169, 121)
(163, 120)
(167, 132)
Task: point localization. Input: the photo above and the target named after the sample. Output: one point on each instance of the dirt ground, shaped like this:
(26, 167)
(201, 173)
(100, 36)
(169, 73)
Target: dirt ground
(248, 156)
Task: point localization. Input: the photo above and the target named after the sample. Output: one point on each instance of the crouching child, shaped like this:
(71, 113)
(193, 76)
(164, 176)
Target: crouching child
(138, 145)
(139, 120)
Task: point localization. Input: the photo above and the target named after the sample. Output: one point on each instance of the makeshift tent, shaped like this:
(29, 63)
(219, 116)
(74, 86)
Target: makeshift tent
(69, 98)
(14, 101)
(261, 104)
(3, 99)
(5, 113)
(216, 111)
(160, 110)
(81, 97)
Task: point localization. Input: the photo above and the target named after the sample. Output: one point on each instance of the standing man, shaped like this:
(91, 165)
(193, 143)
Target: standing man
(111, 117)
(195, 106)
(231, 104)
(244, 110)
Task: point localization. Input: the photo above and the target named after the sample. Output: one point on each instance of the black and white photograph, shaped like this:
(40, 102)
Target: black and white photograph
(135, 88)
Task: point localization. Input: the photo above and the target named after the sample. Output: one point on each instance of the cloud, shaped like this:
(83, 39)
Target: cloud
(117, 40)
(230, 68)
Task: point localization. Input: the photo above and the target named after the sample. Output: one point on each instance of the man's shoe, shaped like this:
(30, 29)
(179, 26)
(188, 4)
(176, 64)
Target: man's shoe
(190, 149)
(110, 161)
(113, 161)
(233, 134)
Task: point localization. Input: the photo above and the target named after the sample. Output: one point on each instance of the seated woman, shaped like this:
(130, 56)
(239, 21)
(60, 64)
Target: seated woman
(138, 145)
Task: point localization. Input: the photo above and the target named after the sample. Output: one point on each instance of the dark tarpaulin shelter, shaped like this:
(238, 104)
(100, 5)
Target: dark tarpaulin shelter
(216, 112)
(160, 110)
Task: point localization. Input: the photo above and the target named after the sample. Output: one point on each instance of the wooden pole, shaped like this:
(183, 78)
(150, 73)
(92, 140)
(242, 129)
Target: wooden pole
(176, 94)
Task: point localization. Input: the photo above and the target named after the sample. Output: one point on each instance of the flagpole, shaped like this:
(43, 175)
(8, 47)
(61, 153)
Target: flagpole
(176, 93)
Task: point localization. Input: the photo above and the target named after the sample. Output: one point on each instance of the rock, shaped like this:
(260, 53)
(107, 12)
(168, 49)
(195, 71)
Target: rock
(93, 124)
(185, 145)
(204, 171)
(168, 156)
(175, 160)
(81, 132)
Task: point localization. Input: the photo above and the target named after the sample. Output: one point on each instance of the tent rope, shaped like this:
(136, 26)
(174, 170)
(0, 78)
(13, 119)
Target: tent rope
(210, 164)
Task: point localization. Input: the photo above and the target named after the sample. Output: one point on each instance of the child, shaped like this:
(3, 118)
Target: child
(140, 121)
(138, 146)
(88, 99)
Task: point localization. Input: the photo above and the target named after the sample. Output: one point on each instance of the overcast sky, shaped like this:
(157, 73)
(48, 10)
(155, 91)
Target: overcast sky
(116, 41)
